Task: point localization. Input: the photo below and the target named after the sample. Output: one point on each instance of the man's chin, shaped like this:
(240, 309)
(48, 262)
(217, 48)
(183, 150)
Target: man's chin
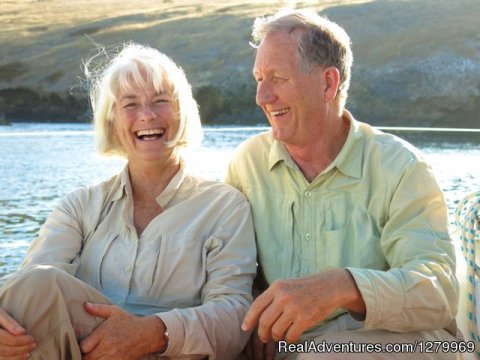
(276, 134)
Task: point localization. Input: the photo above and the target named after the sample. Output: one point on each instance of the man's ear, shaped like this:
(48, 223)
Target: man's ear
(331, 76)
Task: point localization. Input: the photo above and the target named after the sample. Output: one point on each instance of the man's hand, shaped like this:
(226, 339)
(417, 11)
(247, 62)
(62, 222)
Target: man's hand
(257, 350)
(289, 307)
(122, 336)
(14, 343)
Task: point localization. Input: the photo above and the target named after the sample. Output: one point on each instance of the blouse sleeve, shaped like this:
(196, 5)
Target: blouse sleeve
(59, 241)
(214, 327)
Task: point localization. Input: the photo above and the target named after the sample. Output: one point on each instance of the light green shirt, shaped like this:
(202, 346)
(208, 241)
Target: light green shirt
(376, 210)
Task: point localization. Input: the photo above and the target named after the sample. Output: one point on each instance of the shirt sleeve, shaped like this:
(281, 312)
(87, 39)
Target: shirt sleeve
(59, 241)
(214, 327)
(419, 292)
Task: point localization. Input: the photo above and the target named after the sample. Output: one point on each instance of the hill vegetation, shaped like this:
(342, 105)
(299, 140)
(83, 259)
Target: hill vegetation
(417, 62)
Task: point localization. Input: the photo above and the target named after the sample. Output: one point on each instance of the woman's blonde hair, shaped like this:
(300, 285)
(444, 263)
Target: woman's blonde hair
(139, 65)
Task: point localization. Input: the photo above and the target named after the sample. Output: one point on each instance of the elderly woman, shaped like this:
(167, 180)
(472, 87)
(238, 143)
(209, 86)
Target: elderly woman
(151, 263)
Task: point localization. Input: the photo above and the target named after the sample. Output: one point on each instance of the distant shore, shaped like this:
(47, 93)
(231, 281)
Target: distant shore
(416, 62)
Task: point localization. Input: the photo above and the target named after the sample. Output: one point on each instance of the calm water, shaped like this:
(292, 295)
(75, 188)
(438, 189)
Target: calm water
(42, 162)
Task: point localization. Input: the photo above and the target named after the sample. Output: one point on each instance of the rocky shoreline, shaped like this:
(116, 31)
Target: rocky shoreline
(417, 62)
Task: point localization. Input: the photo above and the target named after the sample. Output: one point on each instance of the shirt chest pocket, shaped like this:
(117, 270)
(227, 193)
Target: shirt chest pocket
(180, 272)
(333, 218)
(349, 234)
(91, 257)
(337, 212)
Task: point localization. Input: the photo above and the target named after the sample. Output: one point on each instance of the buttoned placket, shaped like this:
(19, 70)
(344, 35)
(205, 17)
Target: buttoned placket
(130, 241)
(308, 230)
(303, 217)
(130, 258)
(312, 216)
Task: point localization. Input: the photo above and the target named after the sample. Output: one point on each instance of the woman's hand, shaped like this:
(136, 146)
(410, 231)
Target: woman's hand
(122, 336)
(14, 343)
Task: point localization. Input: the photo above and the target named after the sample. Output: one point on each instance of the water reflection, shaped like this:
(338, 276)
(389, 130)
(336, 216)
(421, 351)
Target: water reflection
(444, 140)
(43, 162)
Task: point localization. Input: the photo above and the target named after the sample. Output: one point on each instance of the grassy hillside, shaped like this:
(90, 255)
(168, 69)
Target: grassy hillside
(416, 61)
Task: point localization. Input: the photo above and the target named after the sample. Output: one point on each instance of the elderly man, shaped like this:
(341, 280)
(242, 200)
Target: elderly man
(351, 225)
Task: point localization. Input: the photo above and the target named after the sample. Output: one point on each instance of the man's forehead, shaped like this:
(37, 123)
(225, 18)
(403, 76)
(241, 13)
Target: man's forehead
(283, 37)
(276, 49)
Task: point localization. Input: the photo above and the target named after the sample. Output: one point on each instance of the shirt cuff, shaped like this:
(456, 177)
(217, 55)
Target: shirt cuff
(367, 289)
(384, 298)
(176, 333)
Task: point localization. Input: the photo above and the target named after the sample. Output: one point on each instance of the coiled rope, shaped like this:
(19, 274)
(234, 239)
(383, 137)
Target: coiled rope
(467, 222)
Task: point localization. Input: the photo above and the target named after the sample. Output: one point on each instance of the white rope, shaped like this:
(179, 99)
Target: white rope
(467, 221)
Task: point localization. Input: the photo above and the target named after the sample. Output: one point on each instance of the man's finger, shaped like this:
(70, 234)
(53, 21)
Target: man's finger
(281, 326)
(294, 332)
(10, 324)
(267, 319)
(256, 310)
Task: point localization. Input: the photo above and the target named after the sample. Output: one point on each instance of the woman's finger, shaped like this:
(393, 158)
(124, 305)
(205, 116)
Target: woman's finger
(10, 324)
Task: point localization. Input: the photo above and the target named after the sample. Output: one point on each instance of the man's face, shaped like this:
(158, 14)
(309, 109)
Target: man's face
(292, 100)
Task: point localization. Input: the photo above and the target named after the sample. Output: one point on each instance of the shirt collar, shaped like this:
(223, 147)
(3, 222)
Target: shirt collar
(278, 153)
(166, 195)
(172, 188)
(347, 161)
(122, 182)
(350, 159)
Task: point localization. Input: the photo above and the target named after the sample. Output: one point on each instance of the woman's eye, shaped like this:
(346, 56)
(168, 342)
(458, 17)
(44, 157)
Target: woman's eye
(130, 106)
(161, 100)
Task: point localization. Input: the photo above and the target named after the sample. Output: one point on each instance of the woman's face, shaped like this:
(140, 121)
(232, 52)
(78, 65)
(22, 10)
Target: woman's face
(143, 121)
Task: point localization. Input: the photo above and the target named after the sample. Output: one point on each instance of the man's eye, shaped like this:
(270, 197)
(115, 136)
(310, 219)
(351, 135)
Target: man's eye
(161, 100)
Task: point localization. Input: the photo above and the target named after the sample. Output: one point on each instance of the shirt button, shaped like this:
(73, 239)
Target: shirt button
(128, 268)
(308, 194)
(308, 237)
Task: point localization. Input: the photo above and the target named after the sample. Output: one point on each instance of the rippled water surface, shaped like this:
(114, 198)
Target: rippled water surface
(42, 162)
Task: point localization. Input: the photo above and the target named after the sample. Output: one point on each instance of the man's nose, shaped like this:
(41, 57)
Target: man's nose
(265, 93)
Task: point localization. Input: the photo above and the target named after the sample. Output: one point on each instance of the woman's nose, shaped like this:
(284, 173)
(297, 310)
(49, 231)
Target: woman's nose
(147, 113)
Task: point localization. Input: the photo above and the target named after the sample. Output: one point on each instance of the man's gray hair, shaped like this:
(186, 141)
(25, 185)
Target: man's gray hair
(323, 42)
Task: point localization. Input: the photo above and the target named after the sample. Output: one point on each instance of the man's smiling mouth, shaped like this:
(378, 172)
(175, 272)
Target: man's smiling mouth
(279, 112)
